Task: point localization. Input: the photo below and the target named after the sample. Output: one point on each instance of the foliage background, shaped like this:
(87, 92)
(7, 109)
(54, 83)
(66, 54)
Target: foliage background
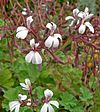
(64, 80)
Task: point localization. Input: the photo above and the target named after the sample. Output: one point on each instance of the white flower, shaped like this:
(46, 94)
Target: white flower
(29, 20)
(74, 17)
(53, 41)
(26, 85)
(24, 11)
(33, 56)
(47, 107)
(29, 102)
(85, 16)
(51, 26)
(15, 105)
(48, 93)
(22, 31)
(22, 97)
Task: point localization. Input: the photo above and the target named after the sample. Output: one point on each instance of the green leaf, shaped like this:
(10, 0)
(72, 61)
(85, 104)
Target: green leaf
(5, 78)
(86, 94)
(71, 78)
(61, 55)
(39, 91)
(70, 103)
(92, 82)
(25, 109)
(11, 95)
(1, 54)
(96, 109)
(1, 22)
(24, 70)
(68, 100)
(97, 96)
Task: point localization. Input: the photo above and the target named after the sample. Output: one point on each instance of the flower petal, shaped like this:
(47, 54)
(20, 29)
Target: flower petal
(50, 108)
(51, 26)
(29, 104)
(32, 42)
(24, 13)
(55, 42)
(86, 10)
(17, 108)
(21, 28)
(36, 45)
(48, 93)
(23, 85)
(13, 105)
(29, 56)
(57, 35)
(22, 32)
(27, 81)
(55, 103)
(81, 14)
(78, 21)
(69, 17)
(75, 12)
(44, 108)
(88, 24)
(72, 23)
(38, 59)
(29, 20)
(33, 59)
(88, 16)
(24, 9)
(82, 29)
(49, 41)
(22, 97)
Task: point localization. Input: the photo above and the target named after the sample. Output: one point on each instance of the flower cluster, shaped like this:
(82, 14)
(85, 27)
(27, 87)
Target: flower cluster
(23, 100)
(52, 41)
(81, 18)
